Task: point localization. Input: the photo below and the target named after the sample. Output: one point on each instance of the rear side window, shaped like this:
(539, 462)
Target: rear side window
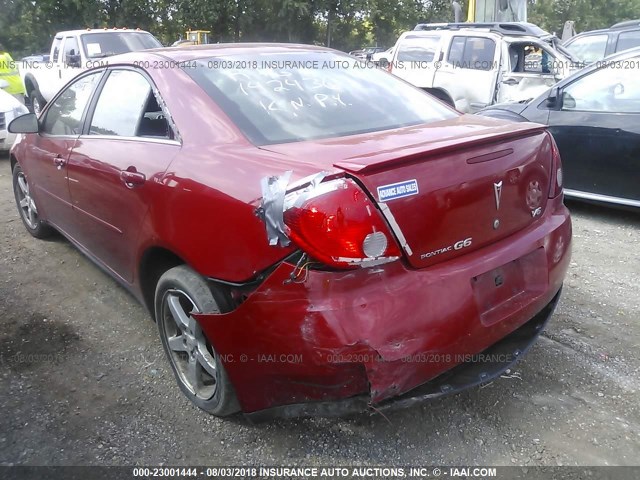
(295, 96)
(57, 43)
(119, 108)
(415, 48)
(475, 53)
(589, 48)
(628, 40)
(128, 107)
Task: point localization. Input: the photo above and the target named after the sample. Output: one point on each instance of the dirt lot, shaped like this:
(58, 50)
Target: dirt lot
(83, 379)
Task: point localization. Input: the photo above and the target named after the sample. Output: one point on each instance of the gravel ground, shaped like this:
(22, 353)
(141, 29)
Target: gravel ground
(83, 379)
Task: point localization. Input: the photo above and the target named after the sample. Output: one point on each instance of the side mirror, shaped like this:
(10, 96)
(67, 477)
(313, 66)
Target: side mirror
(4, 84)
(383, 61)
(27, 123)
(554, 100)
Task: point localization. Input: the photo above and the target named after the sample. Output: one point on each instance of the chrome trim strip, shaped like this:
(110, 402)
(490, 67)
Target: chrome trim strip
(601, 198)
(165, 141)
(395, 227)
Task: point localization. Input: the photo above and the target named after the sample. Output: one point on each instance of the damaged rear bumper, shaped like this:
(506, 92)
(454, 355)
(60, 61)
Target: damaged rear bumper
(479, 369)
(341, 342)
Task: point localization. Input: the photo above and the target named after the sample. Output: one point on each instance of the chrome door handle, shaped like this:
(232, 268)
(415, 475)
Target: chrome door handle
(511, 81)
(59, 162)
(132, 178)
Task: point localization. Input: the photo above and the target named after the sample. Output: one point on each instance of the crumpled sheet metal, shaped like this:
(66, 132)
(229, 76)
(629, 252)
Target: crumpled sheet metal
(274, 189)
(274, 193)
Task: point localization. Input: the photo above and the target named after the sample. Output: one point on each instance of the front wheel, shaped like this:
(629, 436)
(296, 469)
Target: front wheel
(200, 374)
(37, 101)
(27, 205)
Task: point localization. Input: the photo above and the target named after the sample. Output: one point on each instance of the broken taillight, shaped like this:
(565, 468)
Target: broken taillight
(556, 170)
(337, 224)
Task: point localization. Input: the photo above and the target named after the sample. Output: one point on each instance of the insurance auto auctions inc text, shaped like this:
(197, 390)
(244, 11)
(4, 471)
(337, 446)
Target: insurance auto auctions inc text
(375, 472)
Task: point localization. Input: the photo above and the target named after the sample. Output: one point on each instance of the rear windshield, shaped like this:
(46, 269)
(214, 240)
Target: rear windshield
(418, 48)
(104, 44)
(290, 97)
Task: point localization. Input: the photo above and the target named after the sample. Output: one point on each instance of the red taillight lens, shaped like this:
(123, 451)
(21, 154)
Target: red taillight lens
(556, 170)
(338, 225)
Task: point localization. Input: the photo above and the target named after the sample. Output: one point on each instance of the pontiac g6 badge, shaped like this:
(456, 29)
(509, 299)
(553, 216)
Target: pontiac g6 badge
(497, 191)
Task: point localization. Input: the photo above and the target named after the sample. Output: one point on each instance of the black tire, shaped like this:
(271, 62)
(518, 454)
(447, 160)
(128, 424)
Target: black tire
(27, 207)
(198, 369)
(37, 101)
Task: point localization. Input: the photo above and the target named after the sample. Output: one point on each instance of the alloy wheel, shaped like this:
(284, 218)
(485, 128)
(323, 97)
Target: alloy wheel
(28, 208)
(190, 352)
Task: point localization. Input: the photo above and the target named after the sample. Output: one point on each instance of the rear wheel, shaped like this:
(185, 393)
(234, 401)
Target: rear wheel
(200, 374)
(27, 205)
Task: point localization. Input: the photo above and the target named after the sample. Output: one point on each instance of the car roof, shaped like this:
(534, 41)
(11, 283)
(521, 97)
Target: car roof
(625, 24)
(500, 28)
(475, 31)
(68, 33)
(195, 52)
(617, 27)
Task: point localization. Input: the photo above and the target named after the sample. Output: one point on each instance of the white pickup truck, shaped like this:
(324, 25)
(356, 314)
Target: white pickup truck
(73, 52)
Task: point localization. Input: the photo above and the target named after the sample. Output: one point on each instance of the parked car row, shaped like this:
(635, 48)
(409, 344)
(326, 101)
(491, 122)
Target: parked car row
(366, 53)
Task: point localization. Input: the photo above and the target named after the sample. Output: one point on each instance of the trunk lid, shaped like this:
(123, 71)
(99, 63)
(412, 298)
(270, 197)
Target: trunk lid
(447, 188)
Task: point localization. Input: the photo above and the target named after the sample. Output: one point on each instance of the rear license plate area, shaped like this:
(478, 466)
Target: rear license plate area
(510, 287)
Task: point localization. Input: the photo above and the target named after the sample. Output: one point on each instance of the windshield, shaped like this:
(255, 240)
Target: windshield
(295, 96)
(103, 44)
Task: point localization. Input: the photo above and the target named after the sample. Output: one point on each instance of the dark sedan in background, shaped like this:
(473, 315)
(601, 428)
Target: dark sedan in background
(594, 116)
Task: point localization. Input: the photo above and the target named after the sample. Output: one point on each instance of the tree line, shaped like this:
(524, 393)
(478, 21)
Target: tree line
(27, 26)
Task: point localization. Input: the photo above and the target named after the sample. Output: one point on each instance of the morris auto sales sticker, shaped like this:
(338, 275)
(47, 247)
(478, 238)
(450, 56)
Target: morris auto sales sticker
(397, 190)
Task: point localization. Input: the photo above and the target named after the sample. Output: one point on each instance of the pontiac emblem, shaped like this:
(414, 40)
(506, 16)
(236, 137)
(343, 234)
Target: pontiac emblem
(497, 190)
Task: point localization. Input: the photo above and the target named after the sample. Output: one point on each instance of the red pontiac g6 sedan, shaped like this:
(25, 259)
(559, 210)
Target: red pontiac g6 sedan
(311, 236)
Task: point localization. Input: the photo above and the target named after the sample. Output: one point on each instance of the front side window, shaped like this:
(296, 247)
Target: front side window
(475, 53)
(530, 58)
(71, 52)
(611, 89)
(296, 96)
(589, 48)
(70, 47)
(64, 115)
